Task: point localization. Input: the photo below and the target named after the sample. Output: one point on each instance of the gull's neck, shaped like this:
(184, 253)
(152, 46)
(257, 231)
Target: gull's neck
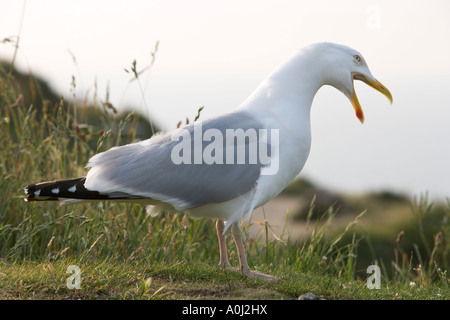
(283, 101)
(286, 94)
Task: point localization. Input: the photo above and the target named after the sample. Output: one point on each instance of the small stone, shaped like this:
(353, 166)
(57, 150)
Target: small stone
(310, 296)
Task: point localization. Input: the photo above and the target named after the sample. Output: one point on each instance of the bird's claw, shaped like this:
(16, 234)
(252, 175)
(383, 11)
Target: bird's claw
(259, 275)
(227, 266)
(248, 273)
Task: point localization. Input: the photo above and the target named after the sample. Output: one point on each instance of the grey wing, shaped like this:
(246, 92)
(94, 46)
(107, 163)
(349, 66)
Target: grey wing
(148, 168)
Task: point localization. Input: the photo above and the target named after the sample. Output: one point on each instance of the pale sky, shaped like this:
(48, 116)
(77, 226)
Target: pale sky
(214, 53)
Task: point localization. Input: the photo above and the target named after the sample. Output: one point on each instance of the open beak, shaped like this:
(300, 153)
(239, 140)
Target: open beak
(370, 82)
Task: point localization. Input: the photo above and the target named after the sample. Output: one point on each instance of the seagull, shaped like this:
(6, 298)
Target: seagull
(226, 166)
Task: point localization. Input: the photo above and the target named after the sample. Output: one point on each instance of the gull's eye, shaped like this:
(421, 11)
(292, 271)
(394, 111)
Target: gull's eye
(357, 58)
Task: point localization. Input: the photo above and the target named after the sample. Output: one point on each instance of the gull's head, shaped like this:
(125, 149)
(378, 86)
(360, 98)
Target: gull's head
(342, 66)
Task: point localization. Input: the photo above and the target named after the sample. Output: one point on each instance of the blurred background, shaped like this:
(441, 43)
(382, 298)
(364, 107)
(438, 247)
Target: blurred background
(214, 53)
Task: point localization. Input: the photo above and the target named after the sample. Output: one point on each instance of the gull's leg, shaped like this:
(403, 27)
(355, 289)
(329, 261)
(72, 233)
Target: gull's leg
(222, 246)
(237, 235)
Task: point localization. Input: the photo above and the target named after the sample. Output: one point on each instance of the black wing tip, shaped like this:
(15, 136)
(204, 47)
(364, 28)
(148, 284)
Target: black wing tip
(69, 189)
(43, 191)
(31, 196)
(29, 191)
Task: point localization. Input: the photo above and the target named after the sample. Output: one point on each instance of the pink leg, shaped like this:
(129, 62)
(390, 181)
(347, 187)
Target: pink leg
(222, 246)
(237, 235)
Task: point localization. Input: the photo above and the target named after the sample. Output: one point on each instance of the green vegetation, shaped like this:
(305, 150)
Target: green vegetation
(124, 253)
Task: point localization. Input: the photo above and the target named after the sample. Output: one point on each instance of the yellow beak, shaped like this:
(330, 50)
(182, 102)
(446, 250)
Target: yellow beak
(372, 83)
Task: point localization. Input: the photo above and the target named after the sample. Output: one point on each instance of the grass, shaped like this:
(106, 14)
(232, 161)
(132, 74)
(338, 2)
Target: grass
(115, 279)
(124, 253)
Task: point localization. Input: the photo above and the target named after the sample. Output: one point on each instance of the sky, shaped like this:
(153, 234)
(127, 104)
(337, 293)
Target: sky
(215, 53)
